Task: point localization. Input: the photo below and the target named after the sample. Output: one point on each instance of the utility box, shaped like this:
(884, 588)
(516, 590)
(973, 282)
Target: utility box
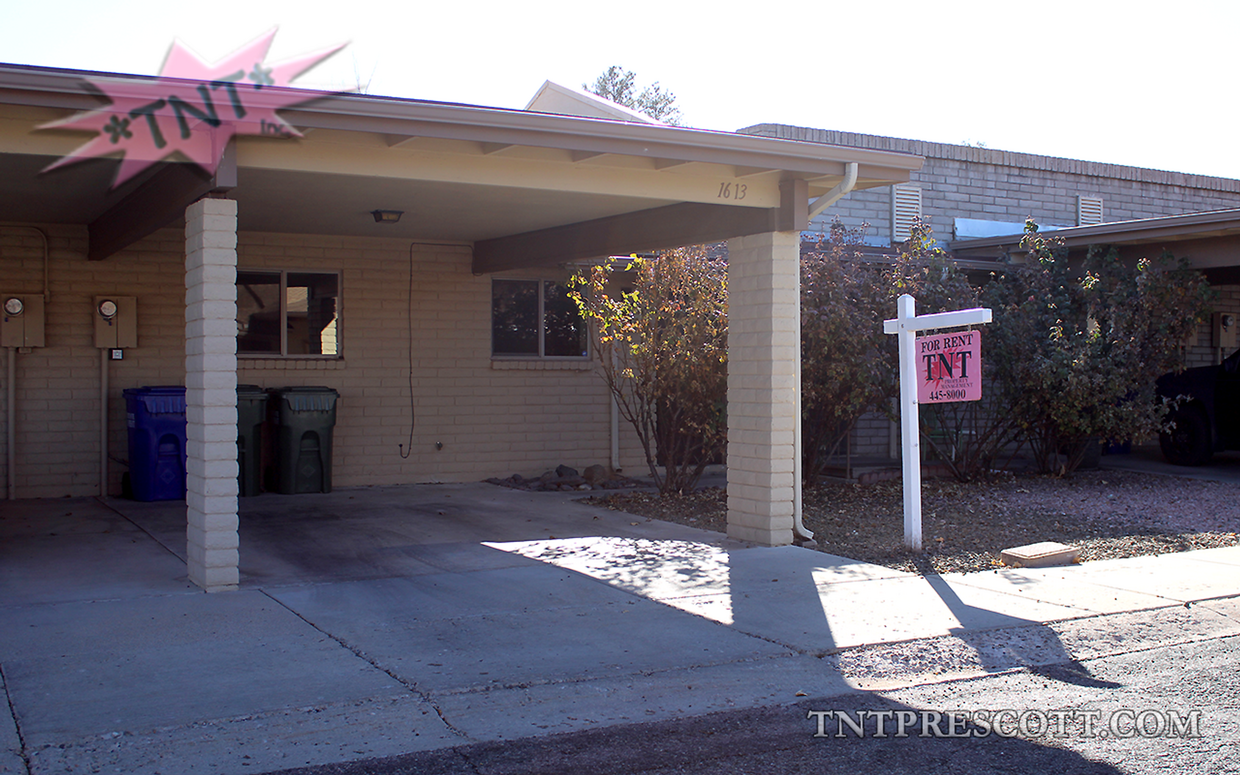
(303, 419)
(116, 322)
(21, 321)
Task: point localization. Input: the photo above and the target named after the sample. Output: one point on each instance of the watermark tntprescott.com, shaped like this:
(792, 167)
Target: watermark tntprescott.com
(1124, 723)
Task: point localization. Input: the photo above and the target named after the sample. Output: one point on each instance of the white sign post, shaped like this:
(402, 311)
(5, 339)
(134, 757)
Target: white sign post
(905, 326)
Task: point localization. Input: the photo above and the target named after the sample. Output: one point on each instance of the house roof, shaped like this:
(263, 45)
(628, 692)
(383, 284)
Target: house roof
(1142, 231)
(1210, 241)
(523, 188)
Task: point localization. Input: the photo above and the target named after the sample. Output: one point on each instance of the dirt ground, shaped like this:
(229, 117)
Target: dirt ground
(1108, 514)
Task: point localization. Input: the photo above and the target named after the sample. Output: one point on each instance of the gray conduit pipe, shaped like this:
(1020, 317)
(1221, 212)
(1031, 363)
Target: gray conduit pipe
(103, 423)
(819, 204)
(10, 424)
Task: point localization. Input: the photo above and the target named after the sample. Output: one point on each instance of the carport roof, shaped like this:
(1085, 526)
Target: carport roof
(523, 188)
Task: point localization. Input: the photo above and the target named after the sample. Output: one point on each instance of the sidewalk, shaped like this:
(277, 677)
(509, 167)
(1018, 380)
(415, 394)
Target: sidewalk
(381, 621)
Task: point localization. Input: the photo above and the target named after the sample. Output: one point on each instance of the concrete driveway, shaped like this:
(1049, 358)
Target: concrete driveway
(380, 621)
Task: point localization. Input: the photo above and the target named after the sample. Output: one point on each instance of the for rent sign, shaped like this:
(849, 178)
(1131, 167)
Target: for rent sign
(949, 367)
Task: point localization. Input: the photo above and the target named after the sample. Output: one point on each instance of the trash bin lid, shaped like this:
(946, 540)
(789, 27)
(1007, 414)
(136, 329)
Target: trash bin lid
(307, 398)
(251, 391)
(163, 399)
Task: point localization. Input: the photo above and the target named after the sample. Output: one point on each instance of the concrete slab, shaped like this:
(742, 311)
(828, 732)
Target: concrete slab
(1040, 555)
(513, 626)
(76, 670)
(667, 569)
(1177, 577)
(1227, 555)
(1064, 588)
(512, 613)
(80, 550)
(565, 707)
(259, 742)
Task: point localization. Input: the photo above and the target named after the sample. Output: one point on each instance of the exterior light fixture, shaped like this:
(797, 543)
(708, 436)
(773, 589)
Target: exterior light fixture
(387, 216)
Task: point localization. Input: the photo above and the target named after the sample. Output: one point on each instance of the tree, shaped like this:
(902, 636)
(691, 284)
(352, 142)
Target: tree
(844, 366)
(850, 367)
(662, 349)
(617, 85)
(1079, 349)
(966, 436)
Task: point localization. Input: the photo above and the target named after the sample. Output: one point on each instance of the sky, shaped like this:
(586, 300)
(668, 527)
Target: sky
(1147, 84)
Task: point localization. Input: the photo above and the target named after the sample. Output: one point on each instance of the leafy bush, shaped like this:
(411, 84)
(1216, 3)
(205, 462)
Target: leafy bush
(662, 349)
(1078, 349)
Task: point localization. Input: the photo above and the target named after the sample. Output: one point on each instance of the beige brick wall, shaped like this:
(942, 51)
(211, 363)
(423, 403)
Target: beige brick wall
(493, 418)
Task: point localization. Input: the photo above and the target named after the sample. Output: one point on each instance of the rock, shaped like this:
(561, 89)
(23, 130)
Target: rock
(547, 477)
(595, 474)
(565, 472)
(516, 479)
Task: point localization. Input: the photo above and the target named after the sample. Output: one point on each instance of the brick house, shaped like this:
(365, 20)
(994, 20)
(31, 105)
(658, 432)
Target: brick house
(281, 269)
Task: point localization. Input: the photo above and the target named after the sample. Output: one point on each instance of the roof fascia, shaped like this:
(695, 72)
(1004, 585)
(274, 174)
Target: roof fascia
(44, 87)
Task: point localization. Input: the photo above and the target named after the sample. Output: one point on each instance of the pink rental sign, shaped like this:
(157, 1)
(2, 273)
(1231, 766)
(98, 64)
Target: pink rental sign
(949, 367)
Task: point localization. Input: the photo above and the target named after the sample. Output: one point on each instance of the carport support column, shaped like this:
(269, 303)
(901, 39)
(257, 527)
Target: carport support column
(211, 393)
(763, 313)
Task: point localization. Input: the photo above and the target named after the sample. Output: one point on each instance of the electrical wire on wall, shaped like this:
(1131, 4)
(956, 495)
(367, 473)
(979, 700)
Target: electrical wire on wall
(405, 453)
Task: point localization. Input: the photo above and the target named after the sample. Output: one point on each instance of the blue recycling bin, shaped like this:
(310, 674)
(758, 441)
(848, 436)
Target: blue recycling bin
(156, 420)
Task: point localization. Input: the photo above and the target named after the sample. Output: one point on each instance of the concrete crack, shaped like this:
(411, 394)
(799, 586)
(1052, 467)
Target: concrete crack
(21, 740)
(409, 685)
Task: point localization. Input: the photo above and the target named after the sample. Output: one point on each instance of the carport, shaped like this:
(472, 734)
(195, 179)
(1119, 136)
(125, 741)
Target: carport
(517, 190)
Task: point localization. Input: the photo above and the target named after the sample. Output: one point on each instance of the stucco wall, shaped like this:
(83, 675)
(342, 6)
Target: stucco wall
(493, 418)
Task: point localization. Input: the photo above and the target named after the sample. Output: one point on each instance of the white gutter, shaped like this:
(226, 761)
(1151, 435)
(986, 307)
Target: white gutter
(820, 204)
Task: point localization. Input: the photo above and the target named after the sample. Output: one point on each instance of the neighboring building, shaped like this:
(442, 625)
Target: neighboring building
(966, 192)
(276, 271)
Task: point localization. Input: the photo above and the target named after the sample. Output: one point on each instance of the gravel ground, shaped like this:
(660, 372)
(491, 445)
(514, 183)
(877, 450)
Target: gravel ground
(1108, 514)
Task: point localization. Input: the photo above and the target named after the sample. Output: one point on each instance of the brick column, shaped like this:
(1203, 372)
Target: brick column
(211, 393)
(763, 311)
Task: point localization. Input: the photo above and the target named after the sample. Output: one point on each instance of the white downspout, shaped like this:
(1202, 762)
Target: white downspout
(819, 204)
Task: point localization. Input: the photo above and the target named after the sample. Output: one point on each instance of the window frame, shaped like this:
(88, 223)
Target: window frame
(541, 355)
(284, 354)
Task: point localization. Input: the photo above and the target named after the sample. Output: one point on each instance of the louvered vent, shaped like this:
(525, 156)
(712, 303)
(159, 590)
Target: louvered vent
(905, 208)
(1088, 210)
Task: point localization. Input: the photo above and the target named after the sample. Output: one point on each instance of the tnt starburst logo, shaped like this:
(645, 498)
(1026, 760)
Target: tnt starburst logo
(192, 109)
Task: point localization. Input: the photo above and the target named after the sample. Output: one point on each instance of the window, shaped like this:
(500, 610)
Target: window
(905, 209)
(536, 319)
(288, 313)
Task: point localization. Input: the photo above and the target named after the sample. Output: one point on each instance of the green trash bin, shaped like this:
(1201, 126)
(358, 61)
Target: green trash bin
(251, 414)
(303, 421)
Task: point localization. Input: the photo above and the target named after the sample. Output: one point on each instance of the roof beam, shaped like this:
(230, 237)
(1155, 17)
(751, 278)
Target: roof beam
(490, 149)
(688, 223)
(159, 201)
